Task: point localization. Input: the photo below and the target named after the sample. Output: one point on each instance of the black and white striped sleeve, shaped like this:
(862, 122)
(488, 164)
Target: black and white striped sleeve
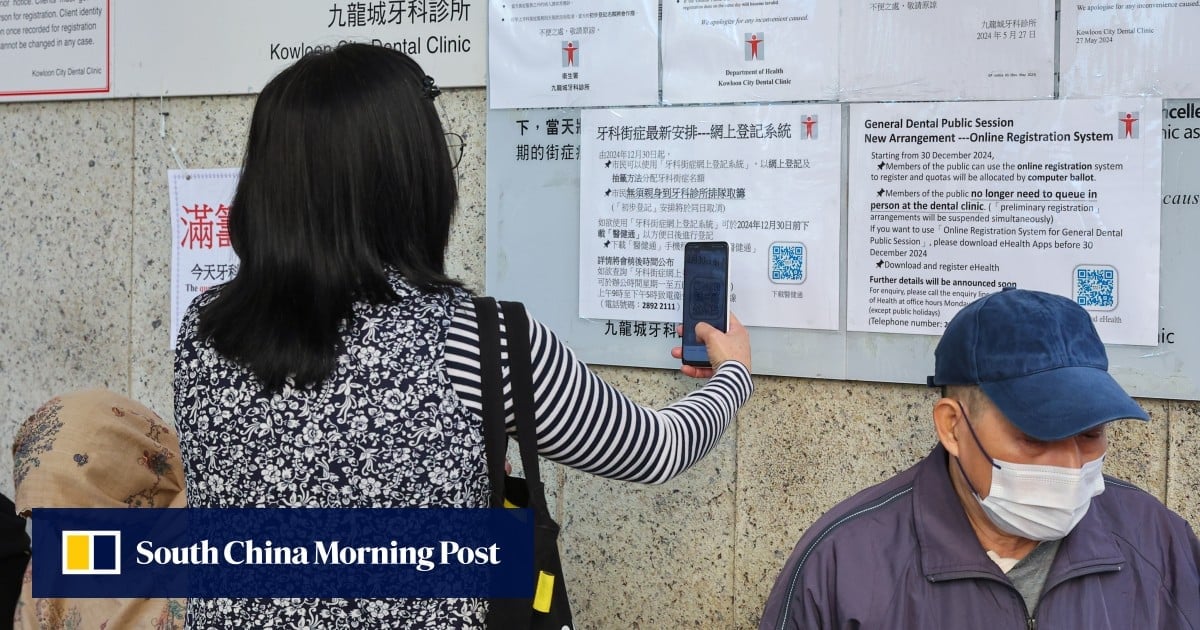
(586, 423)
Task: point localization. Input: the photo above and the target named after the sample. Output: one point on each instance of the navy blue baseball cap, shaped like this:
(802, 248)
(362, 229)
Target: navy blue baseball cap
(1040, 360)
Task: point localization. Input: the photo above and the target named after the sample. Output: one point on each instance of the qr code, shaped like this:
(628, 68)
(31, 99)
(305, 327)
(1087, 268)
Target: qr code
(1096, 287)
(789, 264)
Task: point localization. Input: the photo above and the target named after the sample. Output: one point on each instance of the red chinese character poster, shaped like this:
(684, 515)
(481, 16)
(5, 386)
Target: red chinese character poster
(202, 255)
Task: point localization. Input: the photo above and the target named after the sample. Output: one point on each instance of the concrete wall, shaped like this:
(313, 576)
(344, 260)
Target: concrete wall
(85, 247)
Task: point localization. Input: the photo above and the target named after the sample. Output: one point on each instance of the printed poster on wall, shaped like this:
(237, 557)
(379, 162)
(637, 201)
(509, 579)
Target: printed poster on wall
(53, 50)
(724, 52)
(926, 50)
(951, 201)
(182, 47)
(201, 254)
(572, 53)
(1112, 48)
(764, 179)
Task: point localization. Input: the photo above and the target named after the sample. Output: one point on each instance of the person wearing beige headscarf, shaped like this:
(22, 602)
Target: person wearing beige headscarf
(96, 449)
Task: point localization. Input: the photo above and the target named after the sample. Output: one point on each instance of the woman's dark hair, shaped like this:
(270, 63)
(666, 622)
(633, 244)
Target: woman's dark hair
(346, 175)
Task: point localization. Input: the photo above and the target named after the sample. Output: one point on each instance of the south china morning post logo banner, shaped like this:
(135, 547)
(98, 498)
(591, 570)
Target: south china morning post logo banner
(283, 553)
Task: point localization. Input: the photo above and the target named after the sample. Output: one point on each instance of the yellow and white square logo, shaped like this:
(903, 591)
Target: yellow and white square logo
(91, 553)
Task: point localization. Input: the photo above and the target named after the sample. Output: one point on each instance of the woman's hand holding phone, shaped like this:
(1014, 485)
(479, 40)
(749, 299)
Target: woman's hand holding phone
(733, 345)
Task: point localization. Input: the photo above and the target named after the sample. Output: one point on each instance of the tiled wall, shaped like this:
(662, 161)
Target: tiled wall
(85, 246)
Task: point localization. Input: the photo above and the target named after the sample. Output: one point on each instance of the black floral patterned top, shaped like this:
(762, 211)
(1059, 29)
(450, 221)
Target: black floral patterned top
(397, 424)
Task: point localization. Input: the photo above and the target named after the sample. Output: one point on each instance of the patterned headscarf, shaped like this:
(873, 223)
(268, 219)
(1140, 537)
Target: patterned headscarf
(96, 449)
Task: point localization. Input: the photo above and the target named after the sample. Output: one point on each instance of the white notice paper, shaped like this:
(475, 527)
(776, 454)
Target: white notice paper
(1130, 48)
(52, 50)
(572, 53)
(723, 52)
(930, 51)
(202, 255)
(951, 201)
(765, 179)
(182, 47)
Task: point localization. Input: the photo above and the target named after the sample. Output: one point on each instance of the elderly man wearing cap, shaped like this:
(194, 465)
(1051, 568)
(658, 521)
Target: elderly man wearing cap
(1009, 522)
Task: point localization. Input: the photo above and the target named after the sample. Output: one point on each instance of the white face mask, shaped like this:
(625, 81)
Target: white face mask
(1041, 502)
(1037, 502)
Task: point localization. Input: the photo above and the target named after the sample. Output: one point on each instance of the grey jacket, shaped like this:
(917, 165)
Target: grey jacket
(902, 555)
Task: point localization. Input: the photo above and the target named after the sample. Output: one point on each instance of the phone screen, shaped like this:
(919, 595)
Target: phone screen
(705, 294)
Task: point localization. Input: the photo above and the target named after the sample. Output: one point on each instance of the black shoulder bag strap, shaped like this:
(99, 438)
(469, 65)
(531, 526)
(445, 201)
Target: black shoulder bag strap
(549, 608)
(552, 609)
(492, 395)
(502, 613)
(520, 372)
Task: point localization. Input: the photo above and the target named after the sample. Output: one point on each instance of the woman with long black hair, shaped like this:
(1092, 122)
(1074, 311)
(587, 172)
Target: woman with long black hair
(340, 367)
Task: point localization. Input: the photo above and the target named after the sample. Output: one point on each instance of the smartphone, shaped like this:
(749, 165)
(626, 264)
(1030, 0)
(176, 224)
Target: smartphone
(705, 295)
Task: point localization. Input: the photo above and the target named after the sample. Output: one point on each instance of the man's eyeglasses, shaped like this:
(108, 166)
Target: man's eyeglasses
(456, 145)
